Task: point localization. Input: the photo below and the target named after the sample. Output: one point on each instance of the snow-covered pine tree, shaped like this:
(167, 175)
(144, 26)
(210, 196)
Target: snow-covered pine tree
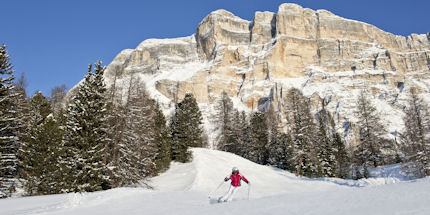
(257, 150)
(23, 108)
(116, 122)
(86, 135)
(68, 160)
(162, 139)
(117, 117)
(40, 109)
(117, 126)
(416, 136)
(40, 153)
(287, 151)
(139, 148)
(240, 132)
(325, 145)
(371, 133)
(227, 140)
(8, 126)
(186, 128)
(23, 117)
(340, 155)
(278, 150)
(29, 154)
(303, 132)
(280, 145)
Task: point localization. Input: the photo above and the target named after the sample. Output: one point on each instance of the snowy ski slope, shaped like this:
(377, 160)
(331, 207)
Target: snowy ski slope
(184, 189)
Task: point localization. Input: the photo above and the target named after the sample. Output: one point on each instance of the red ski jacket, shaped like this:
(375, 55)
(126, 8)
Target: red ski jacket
(235, 179)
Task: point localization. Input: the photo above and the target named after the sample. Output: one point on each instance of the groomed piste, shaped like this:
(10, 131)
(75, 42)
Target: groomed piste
(185, 188)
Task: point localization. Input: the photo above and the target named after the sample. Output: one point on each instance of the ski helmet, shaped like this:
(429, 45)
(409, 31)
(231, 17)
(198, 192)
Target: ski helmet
(235, 170)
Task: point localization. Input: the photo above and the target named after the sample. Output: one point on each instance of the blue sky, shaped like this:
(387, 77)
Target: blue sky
(53, 41)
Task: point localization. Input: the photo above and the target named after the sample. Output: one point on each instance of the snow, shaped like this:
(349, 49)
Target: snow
(225, 15)
(184, 189)
(154, 42)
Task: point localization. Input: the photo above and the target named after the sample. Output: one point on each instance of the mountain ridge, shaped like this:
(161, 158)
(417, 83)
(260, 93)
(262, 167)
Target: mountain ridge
(328, 57)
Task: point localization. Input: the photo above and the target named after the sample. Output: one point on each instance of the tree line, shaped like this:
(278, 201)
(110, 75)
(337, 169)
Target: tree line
(99, 140)
(309, 145)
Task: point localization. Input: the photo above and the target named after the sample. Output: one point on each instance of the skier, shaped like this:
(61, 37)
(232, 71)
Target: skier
(235, 178)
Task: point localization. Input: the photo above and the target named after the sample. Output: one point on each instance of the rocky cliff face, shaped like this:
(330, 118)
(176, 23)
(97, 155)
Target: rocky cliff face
(329, 57)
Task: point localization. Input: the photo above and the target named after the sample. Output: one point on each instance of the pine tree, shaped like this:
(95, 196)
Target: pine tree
(40, 109)
(139, 149)
(117, 127)
(280, 144)
(31, 149)
(227, 140)
(331, 152)
(86, 135)
(23, 107)
(194, 128)
(8, 126)
(116, 121)
(341, 156)
(371, 133)
(40, 153)
(257, 150)
(185, 129)
(179, 145)
(163, 157)
(49, 135)
(416, 136)
(23, 117)
(277, 146)
(325, 144)
(303, 132)
(241, 133)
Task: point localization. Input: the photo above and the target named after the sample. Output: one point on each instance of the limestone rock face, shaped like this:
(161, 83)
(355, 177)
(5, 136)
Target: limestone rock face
(221, 26)
(294, 21)
(263, 27)
(330, 58)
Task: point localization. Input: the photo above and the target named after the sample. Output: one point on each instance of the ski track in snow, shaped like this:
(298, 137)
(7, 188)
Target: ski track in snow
(184, 189)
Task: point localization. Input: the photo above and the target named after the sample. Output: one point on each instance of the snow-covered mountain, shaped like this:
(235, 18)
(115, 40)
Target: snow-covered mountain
(256, 62)
(184, 189)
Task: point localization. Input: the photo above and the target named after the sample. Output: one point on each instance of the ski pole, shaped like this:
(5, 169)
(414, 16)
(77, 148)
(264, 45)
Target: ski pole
(249, 189)
(210, 194)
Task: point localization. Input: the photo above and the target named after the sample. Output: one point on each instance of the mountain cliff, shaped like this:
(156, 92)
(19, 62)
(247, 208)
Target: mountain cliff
(330, 58)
